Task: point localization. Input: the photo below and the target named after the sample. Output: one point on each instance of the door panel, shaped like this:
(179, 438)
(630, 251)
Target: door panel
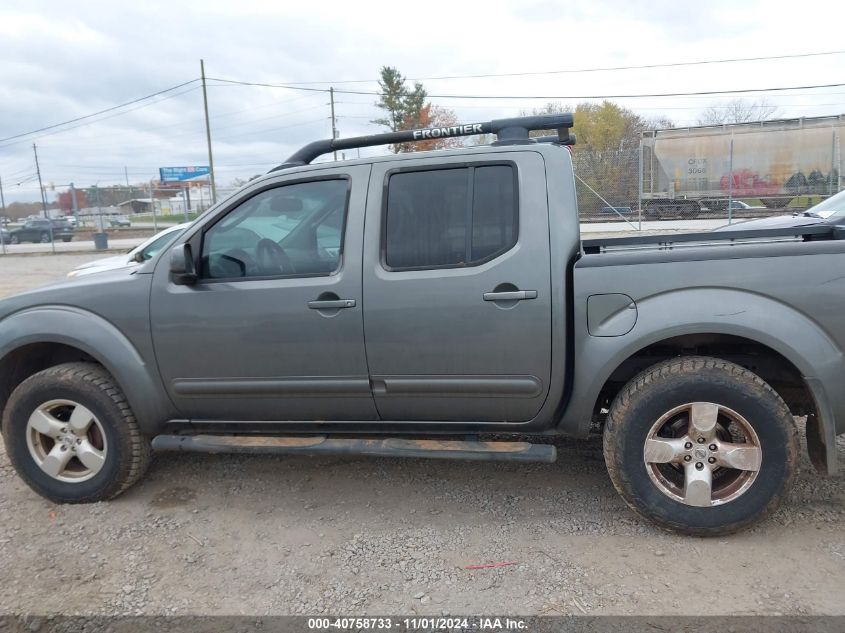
(437, 347)
(252, 348)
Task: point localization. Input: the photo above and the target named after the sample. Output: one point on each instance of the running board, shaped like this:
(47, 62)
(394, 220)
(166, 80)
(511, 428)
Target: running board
(388, 447)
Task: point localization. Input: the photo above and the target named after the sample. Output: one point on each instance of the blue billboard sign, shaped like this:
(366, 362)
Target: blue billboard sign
(180, 174)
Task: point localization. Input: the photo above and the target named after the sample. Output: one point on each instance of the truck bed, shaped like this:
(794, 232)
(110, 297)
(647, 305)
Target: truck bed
(713, 238)
(781, 288)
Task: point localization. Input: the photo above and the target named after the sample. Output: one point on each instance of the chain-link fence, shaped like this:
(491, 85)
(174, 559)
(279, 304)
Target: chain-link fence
(607, 184)
(743, 170)
(717, 172)
(80, 214)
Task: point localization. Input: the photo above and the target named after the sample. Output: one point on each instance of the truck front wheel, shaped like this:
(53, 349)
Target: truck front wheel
(71, 435)
(700, 446)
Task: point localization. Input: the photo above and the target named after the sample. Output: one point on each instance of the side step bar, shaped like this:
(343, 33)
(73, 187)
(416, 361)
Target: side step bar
(387, 447)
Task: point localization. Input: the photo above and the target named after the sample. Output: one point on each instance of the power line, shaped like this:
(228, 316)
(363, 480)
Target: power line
(688, 108)
(527, 97)
(93, 114)
(189, 125)
(586, 70)
(232, 82)
(258, 107)
(105, 118)
(169, 126)
(639, 67)
(273, 129)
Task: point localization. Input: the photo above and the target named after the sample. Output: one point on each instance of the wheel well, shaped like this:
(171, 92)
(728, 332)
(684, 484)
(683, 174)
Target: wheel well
(771, 366)
(20, 364)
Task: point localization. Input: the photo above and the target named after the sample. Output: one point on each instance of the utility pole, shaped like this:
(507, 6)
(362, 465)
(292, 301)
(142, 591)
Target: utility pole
(40, 185)
(153, 206)
(74, 204)
(3, 212)
(208, 134)
(334, 120)
(43, 196)
(128, 188)
(99, 209)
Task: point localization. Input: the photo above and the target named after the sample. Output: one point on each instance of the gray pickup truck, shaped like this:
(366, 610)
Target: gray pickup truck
(440, 304)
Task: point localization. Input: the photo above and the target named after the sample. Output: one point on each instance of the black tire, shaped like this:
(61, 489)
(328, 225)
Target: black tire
(14, 239)
(128, 453)
(670, 385)
(67, 239)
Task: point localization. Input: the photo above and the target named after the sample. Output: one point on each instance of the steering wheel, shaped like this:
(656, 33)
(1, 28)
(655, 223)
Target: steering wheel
(272, 259)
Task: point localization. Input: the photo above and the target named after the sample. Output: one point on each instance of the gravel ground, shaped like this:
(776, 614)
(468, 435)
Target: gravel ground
(296, 535)
(20, 272)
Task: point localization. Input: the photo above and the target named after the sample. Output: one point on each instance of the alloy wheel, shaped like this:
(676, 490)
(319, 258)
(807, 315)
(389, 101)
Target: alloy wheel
(702, 454)
(66, 440)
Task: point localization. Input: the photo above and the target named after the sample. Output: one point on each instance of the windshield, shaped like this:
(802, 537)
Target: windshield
(833, 207)
(156, 245)
(157, 242)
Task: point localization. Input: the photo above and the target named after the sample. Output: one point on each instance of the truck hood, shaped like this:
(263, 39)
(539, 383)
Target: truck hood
(100, 265)
(84, 292)
(106, 262)
(776, 222)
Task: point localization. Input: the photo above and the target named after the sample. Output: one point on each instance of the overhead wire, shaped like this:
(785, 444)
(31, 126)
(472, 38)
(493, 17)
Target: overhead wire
(99, 112)
(477, 99)
(549, 97)
(587, 70)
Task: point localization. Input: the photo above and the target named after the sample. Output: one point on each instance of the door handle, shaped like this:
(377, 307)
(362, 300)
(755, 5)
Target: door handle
(331, 304)
(513, 295)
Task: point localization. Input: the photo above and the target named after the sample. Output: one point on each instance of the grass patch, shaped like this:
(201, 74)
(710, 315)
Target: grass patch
(176, 218)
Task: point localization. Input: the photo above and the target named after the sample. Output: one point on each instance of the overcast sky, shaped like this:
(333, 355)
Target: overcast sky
(60, 60)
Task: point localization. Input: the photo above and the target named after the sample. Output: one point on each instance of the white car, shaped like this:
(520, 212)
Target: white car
(739, 205)
(136, 256)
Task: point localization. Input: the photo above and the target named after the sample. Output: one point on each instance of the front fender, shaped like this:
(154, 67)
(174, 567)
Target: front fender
(102, 341)
(759, 318)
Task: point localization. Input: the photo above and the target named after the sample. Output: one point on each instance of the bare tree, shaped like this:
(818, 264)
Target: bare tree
(738, 111)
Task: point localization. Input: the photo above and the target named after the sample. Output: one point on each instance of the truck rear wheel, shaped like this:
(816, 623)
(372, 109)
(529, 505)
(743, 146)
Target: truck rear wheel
(700, 446)
(71, 436)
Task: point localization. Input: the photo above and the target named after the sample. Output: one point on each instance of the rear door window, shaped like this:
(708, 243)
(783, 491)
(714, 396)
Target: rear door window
(451, 217)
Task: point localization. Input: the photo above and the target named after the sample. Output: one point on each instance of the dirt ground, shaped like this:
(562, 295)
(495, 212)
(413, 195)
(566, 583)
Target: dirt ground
(296, 535)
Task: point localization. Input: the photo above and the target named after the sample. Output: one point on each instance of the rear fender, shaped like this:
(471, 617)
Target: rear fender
(762, 319)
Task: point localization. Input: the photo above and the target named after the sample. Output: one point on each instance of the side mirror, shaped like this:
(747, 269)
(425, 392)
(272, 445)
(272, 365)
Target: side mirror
(139, 258)
(182, 265)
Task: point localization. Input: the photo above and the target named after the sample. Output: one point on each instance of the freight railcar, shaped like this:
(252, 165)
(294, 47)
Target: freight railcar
(687, 170)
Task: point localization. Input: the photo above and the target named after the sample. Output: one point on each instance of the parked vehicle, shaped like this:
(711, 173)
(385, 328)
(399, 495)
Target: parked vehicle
(117, 221)
(42, 230)
(4, 235)
(830, 211)
(72, 220)
(684, 170)
(438, 304)
(617, 210)
(739, 205)
(137, 255)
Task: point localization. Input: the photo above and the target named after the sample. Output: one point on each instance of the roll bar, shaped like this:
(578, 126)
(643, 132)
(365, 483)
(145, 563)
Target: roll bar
(512, 131)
